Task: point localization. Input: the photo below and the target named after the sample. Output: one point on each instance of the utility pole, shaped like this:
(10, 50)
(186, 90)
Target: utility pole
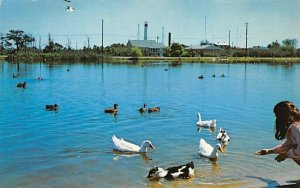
(138, 33)
(163, 35)
(40, 46)
(205, 30)
(169, 41)
(69, 43)
(229, 39)
(88, 41)
(102, 38)
(1, 47)
(246, 38)
(237, 36)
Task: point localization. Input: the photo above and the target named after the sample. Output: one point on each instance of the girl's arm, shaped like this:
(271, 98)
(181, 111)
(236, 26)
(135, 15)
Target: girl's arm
(284, 147)
(294, 151)
(277, 149)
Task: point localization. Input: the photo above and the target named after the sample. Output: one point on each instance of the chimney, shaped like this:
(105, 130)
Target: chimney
(169, 39)
(145, 30)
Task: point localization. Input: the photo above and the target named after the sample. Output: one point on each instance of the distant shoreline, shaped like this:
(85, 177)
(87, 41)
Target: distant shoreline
(181, 59)
(214, 59)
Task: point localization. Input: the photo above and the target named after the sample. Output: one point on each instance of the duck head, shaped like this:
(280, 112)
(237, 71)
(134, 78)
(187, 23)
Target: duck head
(156, 172)
(214, 122)
(147, 143)
(223, 136)
(116, 106)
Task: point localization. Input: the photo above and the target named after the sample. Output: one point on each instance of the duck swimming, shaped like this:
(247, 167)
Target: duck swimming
(154, 109)
(22, 85)
(143, 109)
(206, 150)
(51, 107)
(206, 123)
(124, 146)
(223, 137)
(182, 171)
(15, 75)
(114, 110)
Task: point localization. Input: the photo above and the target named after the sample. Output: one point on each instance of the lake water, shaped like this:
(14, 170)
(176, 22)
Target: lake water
(73, 147)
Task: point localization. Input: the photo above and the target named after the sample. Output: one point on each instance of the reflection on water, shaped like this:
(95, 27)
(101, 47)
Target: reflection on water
(73, 148)
(210, 129)
(119, 155)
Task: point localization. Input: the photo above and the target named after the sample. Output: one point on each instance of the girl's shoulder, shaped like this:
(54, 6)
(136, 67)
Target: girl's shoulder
(295, 126)
(297, 123)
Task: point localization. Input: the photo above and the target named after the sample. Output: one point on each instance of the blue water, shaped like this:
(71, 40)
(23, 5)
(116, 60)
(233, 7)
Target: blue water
(73, 148)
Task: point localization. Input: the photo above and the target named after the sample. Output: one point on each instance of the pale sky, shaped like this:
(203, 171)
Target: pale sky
(269, 20)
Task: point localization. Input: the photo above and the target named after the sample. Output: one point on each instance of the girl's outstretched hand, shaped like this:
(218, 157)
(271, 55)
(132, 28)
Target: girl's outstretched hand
(263, 152)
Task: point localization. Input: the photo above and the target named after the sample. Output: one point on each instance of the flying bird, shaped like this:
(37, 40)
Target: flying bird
(70, 9)
(67, 1)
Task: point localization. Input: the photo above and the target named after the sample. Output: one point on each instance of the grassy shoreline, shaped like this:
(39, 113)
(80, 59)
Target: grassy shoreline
(124, 59)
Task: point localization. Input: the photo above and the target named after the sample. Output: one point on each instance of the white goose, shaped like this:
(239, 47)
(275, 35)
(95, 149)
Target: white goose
(206, 123)
(124, 146)
(206, 150)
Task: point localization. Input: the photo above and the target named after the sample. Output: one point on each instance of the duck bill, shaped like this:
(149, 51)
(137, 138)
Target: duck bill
(151, 146)
(221, 149)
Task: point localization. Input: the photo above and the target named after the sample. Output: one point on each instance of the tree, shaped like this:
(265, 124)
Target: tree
(177, 50)
(274, 45)
(136, 52)
(118, 50)
(51, 46)
(18, 39)
(289, 44)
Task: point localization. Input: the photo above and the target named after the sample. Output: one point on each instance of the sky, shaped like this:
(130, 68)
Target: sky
(188, 21)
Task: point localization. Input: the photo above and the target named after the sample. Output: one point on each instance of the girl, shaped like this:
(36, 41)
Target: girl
(287, 125)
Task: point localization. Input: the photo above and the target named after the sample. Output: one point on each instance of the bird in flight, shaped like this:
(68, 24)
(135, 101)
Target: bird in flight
(69, 9)
(69, 1)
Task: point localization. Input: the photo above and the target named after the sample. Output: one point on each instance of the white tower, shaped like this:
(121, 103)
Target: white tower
(145, 30)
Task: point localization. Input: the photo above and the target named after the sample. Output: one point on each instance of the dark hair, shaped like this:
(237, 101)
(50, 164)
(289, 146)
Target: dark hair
(286, 113)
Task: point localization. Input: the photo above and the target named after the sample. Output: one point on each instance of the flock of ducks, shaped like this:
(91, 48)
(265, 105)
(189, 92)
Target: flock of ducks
(177, 172)
(48, 107)
(214, 75)
(114, 110)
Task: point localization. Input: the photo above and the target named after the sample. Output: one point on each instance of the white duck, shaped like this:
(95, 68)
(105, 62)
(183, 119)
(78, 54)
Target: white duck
(124, 146)
(223, 137)
(206, 150)
(206, 123)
